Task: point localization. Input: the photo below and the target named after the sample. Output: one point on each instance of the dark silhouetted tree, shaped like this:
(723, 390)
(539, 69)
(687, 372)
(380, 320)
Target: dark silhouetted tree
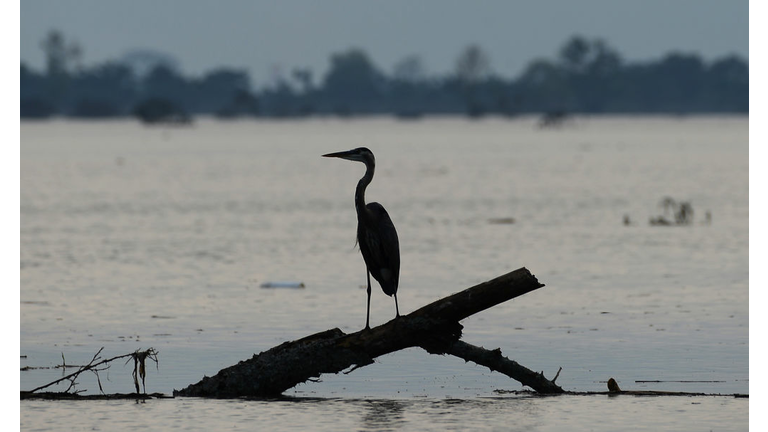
(218, 89)
(408, 90)
(144, 61)
(586, 76)
(59, 56)
(544, 86)
(105, 90)
(677, 81)
(574, 54)
(410, 69)
(165, 83)
(727, 82)
(34, 95)
(353, 82)
(473, 65)
(303, 76)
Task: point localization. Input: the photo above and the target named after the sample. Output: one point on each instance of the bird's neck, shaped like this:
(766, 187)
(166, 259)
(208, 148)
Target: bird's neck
(360, 190)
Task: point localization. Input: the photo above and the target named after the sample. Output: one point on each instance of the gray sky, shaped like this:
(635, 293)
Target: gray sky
(271, 37)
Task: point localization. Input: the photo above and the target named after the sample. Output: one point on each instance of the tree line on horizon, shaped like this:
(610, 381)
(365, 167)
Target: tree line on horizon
(586, 77)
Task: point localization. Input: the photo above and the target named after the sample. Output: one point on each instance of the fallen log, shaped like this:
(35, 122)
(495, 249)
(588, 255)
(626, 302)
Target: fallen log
(435, 328)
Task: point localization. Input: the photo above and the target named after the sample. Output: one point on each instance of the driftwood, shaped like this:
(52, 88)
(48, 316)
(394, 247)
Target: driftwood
(435, 328)
(96, 365)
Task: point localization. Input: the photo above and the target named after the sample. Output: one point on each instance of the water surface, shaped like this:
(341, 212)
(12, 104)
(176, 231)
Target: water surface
(134, 237)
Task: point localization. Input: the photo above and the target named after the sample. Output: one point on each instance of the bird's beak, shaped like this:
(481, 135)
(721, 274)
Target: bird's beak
(343, 154)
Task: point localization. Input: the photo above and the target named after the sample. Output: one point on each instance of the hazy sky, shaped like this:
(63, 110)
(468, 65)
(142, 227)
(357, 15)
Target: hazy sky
(271, 37)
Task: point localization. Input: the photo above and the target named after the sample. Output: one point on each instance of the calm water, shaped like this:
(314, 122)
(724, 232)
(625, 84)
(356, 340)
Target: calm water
(134, 237)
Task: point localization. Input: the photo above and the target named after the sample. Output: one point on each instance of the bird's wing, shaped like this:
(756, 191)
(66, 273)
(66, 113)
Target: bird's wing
(383, 242)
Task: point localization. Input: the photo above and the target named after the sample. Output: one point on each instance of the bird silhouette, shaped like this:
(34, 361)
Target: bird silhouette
(376, 234)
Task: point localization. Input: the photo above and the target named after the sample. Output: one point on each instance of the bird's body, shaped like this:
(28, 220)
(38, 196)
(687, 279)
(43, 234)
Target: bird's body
(376, 241)
(376, 234)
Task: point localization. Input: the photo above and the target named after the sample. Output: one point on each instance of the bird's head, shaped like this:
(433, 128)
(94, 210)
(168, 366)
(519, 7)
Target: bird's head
(360, 154)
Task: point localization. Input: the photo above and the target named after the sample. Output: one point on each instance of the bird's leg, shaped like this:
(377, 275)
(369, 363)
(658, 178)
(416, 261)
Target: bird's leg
(368, 310)
(397, 310)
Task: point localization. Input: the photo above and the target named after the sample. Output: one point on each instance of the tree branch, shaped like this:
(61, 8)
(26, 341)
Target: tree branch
(93, 366)
(434, 327)
(496, 362)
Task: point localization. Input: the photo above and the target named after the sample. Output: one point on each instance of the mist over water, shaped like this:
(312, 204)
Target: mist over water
(136, 236)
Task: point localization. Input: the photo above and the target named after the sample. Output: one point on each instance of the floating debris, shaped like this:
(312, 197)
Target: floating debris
(96, 365)
(502, 221)
(660, 221)
(613, 386)
(283, 284)
(36, 302)
(675, 213)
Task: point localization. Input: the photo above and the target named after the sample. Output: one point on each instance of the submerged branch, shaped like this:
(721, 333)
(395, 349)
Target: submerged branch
(496, 362)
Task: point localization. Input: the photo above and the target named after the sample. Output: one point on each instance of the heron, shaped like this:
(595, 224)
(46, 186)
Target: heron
(376, 234)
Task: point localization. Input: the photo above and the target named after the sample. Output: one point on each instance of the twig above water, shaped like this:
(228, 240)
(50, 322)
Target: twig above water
(97, 365)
